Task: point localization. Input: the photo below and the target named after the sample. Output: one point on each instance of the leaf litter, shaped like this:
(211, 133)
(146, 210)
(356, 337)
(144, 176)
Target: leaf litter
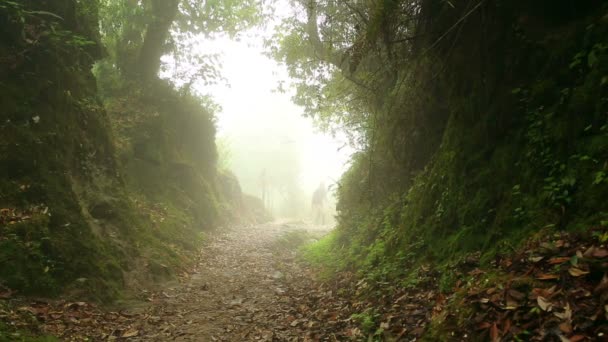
(553, 289)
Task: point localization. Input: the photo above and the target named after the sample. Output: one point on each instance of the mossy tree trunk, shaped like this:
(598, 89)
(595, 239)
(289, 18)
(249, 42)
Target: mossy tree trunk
(163, 14)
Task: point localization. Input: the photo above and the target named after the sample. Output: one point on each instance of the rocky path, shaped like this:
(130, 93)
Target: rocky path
(240, 291)
(247, 286)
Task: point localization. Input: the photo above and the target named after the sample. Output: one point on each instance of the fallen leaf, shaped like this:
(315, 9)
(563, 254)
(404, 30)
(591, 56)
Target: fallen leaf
(577, 272)
(507, 326)
(543, 303)
(494, 333)
(130, 333)
(75, 305)
(558, 260)
(603, 285)
(577, 338)
(565, 327)
(600, 253)
(547, 276)
(516, 295)
(543, 292)
(589, 252)
(574, 260)
(5, 293)
(566, 315)
(536, 259)
(483, 325)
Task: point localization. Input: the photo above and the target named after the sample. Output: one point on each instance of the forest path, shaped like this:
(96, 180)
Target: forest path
(241, 290)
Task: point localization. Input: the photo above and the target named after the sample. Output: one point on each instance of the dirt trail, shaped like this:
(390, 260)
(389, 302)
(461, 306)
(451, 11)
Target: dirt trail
(247, 286)
(239, 291)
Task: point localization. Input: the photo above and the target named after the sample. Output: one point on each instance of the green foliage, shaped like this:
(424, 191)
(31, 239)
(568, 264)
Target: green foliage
(224, 152)
(367, 321)
(454, 159)
(88, 191)
(23, 261)
(300, 239)
(325, 254)
(125, 25)
(10, 334)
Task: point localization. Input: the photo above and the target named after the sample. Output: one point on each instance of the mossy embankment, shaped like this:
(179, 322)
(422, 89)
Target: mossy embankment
(100, 192)
(499, 131)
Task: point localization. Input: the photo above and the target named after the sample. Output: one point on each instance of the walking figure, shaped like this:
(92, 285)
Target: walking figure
(318, 199)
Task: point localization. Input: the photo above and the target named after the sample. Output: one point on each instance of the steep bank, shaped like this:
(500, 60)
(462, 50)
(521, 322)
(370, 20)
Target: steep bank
(508, 138)
(98, 193)
(481, 124)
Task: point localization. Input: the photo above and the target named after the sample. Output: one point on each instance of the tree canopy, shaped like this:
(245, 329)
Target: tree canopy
(137, 33)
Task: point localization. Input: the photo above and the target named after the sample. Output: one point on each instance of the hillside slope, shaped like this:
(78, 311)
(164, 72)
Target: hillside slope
(480, 125)
(98, 193)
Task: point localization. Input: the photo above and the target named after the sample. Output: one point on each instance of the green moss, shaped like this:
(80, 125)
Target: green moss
(325, 254)
(366, 320)
(105, 185)
(531, 157)
(10, 334)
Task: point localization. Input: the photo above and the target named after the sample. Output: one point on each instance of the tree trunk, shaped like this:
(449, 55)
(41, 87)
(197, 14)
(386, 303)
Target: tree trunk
(163, 14)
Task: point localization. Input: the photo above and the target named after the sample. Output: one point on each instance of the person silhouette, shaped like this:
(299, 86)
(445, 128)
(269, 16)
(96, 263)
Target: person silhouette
(318, 200)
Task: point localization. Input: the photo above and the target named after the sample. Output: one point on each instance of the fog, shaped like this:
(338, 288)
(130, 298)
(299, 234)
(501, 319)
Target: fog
(276, 153)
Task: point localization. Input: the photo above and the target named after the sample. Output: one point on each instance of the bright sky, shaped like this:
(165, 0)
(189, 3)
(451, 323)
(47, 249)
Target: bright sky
(251, 110)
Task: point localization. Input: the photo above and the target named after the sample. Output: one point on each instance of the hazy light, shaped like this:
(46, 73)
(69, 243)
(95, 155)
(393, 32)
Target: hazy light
(256, 120)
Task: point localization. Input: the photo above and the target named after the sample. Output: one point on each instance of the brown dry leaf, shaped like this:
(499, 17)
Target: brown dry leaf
(130, 333)
(566, 315)
(558, 260)
(476, 271)
(516, 295)
(27, 309)
(483, 325)
(600, 253)
(494, 333)
(5, 293)
(507, 326)
(511, 304)
(565, 327)
(543, 292)
(543, 303)
(603, 285)
(589, 252)
(547, 276)
(577, 338)
(577, 272)
(75, 305)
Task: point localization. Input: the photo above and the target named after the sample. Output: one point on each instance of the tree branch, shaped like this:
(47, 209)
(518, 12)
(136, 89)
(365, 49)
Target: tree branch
(342, 61)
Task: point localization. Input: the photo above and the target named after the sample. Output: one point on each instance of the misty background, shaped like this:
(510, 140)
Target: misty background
(263, 138)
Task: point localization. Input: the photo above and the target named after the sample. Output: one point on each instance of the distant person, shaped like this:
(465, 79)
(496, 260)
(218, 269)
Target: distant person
(318, 200)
